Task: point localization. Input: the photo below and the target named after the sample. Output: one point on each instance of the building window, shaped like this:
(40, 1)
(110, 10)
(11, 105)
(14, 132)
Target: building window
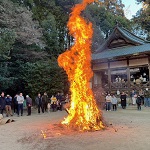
(139, 75)
(119, 76)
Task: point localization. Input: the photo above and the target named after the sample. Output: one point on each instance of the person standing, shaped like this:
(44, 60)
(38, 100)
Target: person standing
(141, 93)
(39, 103)
(2, 103)
(108, 102)
(118, 92)
(59, 100)
(123, 100)
(114, 102)
(138, 101)
(20, 100)
(45, 101)
(15, 104)
(29, 104)
(8, 102)
(146, 98)
(53, 103)
(133, 96)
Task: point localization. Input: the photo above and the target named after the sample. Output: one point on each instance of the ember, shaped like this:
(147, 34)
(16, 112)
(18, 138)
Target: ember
(43, 134)
(83, 113)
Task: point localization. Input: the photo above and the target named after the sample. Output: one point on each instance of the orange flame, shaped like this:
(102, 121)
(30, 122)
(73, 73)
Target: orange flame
(83, 112)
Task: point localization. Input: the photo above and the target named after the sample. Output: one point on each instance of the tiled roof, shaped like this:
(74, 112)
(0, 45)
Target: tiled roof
(105, 51)
(131, 36)
(122, 51)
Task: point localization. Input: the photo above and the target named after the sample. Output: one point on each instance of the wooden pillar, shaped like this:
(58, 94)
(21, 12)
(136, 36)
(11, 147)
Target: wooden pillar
(92, 79)
(149, 67)
(128, 76)
(109, 76)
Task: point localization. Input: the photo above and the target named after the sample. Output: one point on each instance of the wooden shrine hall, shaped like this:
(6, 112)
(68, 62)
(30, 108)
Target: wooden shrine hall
(122, 62)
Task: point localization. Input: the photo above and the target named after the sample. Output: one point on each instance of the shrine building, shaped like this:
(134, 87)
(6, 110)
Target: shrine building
(122, 62)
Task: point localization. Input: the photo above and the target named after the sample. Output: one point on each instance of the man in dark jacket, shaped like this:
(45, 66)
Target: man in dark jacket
(8, 103)
(45, 101)
(2, 103)
(15, 103)
(29, 104)
(39, 103)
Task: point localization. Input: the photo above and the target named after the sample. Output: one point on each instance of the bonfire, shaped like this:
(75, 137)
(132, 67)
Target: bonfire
(83, 113)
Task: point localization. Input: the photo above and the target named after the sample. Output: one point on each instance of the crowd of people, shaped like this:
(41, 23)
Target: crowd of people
(43, 103)
(141, 97)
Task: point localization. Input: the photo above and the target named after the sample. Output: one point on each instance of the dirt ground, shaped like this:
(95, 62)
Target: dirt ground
(127, 130)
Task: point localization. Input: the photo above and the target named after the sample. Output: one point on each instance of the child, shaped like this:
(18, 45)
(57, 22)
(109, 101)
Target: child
(114, 102)
(139, 101)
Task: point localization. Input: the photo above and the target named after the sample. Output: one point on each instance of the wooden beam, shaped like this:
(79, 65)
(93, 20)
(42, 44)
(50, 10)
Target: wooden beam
(109, 76)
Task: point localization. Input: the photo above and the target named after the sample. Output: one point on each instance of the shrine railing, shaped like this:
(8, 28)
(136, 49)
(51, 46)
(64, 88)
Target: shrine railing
(143, 85)
(123, 86)
(119, 85)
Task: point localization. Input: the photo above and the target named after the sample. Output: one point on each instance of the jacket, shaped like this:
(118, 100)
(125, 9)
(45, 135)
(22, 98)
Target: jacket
(2, 102)
(28, 101)
(108, 98)
(38, 100)
(147, 94)
(114, 100)
(45, 99)
(138, 100)
(20, 99)
(8, 101)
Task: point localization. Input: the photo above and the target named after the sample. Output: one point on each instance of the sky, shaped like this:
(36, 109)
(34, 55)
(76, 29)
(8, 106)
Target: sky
(131, 7)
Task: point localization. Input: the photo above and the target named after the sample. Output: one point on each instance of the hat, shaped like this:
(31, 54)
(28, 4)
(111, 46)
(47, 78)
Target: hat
(27, 95)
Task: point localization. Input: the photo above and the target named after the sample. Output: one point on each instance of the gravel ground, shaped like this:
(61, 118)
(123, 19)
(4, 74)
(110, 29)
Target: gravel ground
(127, 130)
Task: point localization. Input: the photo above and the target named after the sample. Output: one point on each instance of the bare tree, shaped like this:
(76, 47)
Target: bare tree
(20, 19)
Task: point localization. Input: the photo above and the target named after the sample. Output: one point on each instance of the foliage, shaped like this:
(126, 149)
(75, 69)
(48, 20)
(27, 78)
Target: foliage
(47, 77)
(50, 33)
(34, 33)
(53, 20)
(105, 20)
(19, 19)
(114, 6)
(31, 71)
(7, 40)
(143, 16)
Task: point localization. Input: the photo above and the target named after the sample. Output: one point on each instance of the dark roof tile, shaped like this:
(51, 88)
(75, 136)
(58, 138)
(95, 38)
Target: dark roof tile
(122, 51)
(123, 33)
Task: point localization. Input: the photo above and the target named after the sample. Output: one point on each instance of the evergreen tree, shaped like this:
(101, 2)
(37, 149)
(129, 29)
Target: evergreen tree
(143, 16)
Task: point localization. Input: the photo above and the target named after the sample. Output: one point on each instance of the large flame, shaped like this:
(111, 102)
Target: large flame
(83, 112)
